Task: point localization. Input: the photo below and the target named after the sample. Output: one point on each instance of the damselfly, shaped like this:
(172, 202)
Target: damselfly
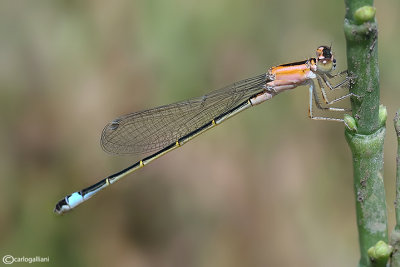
(162, 129)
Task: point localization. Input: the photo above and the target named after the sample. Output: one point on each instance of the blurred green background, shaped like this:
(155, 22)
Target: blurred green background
(268, 188)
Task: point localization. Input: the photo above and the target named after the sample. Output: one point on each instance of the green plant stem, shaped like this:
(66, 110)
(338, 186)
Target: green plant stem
(362, 63)
(395, 236)
(366, 139)
(397, 202)
(371, 214)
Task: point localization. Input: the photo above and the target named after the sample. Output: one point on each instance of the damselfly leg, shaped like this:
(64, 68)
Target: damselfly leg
(344, 84)
(313, 94)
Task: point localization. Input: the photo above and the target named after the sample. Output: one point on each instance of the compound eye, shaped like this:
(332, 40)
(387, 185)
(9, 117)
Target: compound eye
(325, 60)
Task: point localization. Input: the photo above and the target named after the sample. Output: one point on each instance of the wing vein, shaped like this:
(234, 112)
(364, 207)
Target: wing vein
(153, 129)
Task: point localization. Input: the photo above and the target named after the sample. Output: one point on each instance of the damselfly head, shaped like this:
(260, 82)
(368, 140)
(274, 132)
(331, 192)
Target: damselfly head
(325, 60)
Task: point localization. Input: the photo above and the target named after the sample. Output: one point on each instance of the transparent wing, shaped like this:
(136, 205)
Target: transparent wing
(153, 129)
